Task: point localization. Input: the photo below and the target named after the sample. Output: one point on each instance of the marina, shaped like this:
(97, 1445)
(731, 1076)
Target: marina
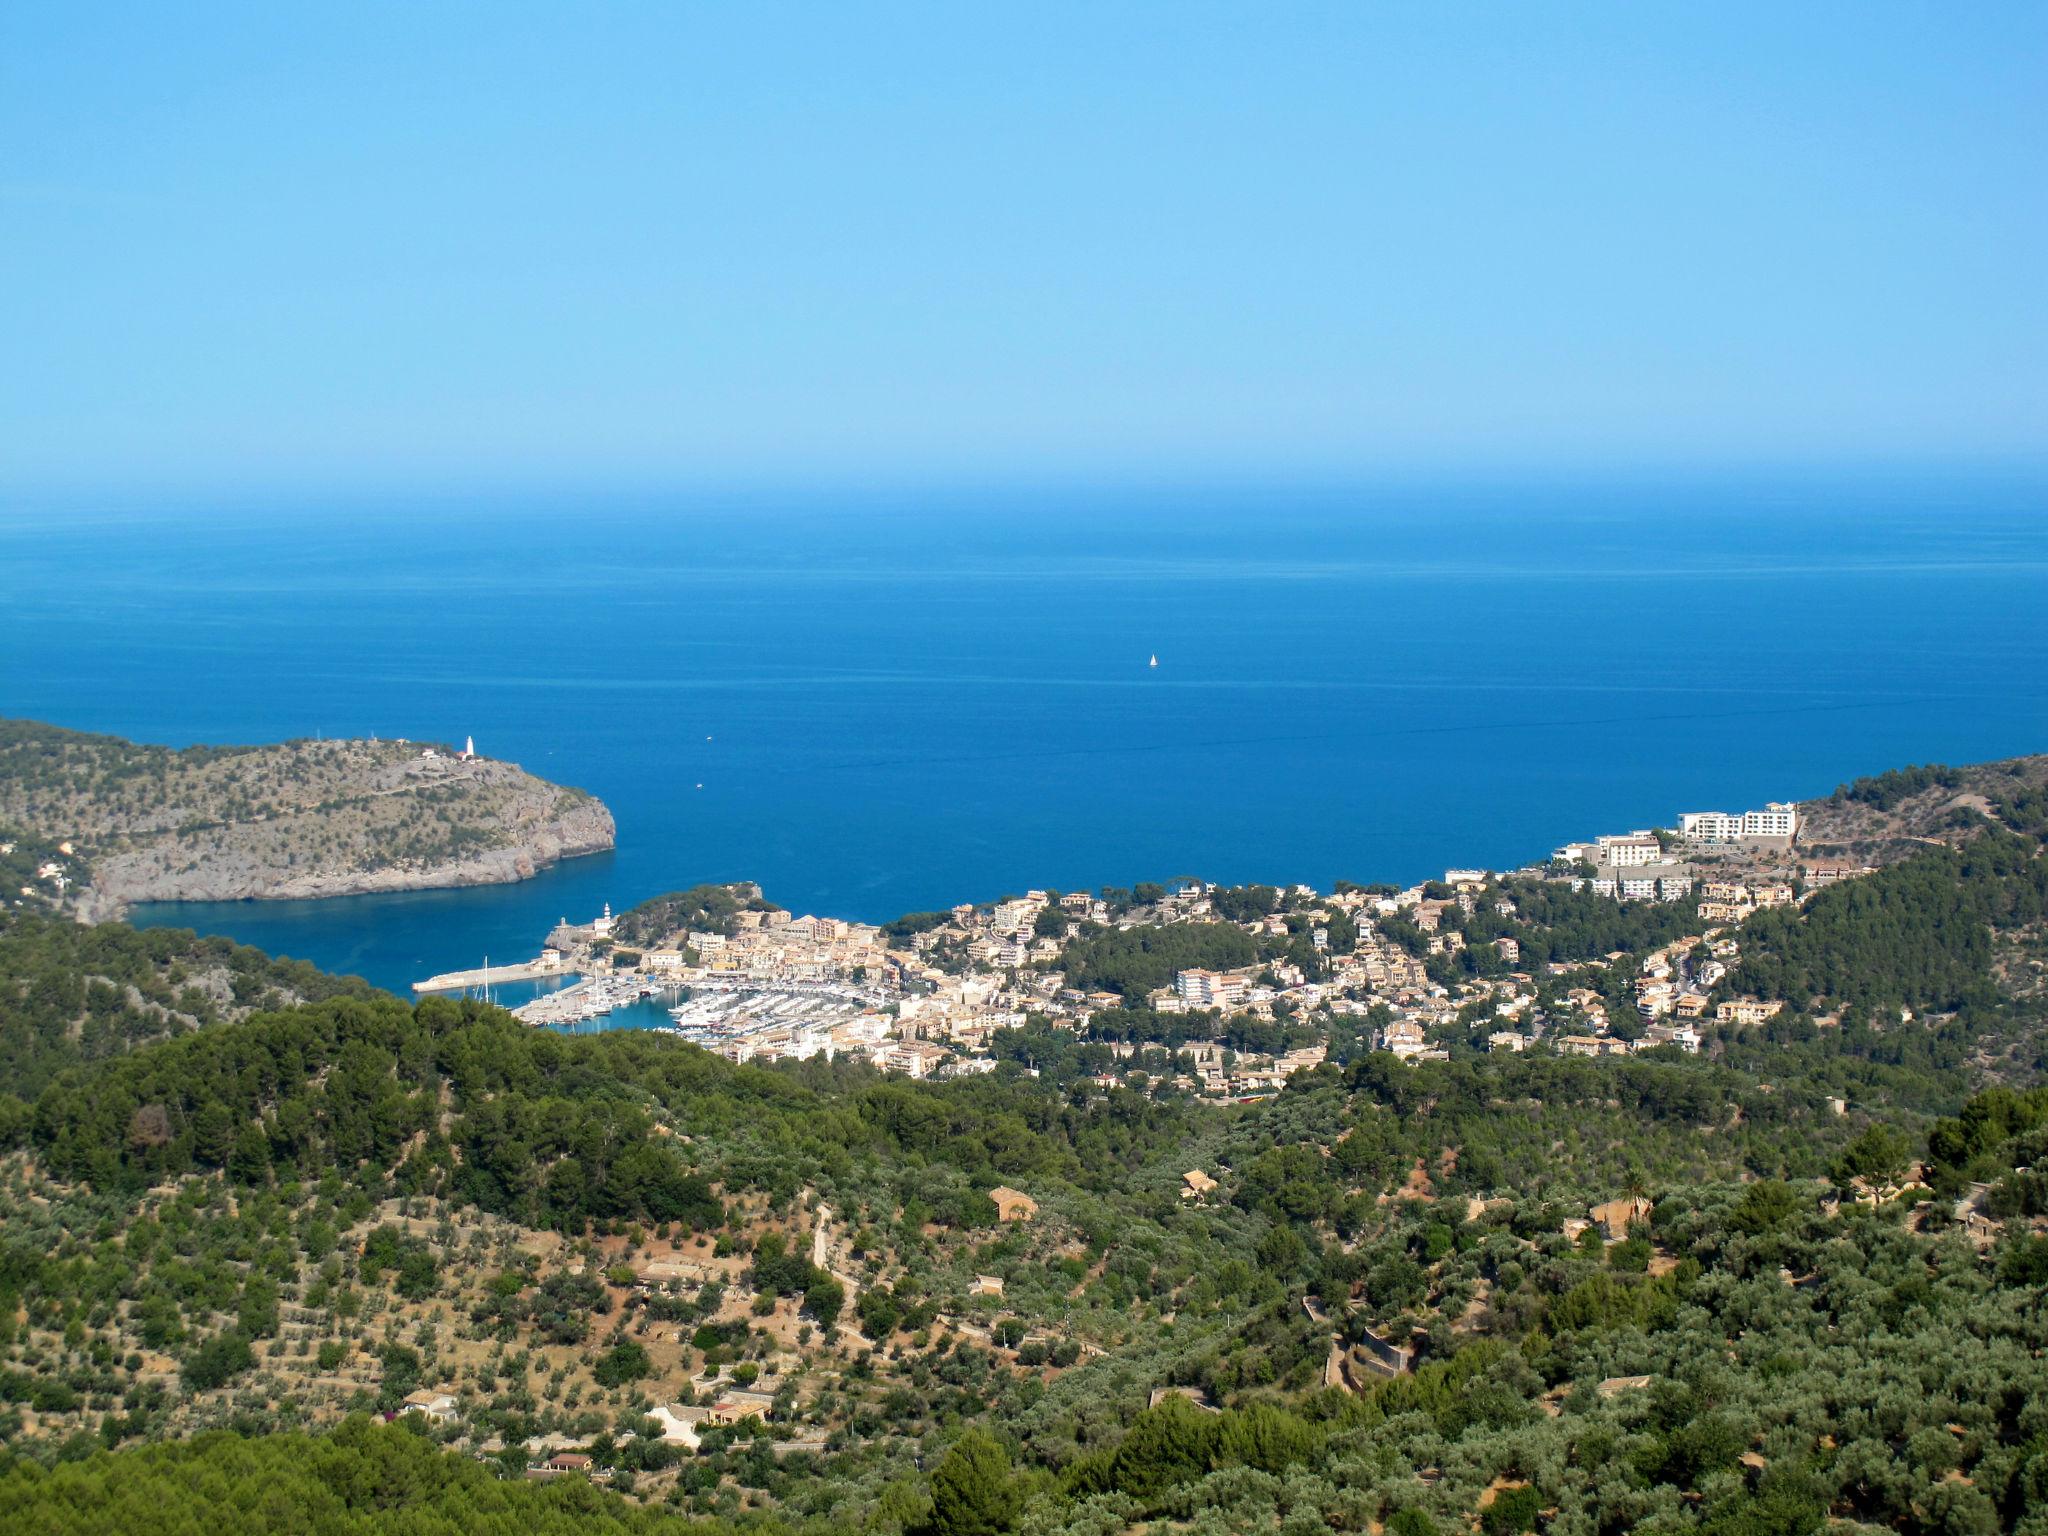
(591, 998)
(716, 1015)
(724, 1016)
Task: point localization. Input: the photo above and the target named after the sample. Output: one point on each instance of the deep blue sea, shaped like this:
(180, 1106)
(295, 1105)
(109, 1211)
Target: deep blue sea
(872, 703)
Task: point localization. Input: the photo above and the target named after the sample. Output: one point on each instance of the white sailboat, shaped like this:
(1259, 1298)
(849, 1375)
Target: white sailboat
(1155, 658)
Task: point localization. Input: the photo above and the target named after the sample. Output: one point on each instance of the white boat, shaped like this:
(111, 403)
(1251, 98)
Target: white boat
(1155, 658)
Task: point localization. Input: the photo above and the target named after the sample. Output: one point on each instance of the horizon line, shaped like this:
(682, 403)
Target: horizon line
(172, 493)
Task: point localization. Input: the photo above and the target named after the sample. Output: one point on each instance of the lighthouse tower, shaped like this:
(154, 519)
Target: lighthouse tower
(468, 748)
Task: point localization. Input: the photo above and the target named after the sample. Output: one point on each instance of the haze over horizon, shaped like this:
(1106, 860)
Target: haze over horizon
(257, 248)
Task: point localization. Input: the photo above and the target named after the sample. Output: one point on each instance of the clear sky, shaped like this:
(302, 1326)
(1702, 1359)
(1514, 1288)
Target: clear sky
(294, 244)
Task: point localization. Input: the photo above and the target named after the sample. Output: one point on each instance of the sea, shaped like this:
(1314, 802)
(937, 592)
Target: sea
(876, 700)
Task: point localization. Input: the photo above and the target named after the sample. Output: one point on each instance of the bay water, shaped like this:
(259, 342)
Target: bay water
(873, 701)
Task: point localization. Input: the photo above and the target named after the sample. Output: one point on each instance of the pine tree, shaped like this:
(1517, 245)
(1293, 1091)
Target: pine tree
(972, 1490)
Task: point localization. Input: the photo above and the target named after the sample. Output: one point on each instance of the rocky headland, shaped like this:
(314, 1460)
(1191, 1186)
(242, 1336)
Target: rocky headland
(292, 820)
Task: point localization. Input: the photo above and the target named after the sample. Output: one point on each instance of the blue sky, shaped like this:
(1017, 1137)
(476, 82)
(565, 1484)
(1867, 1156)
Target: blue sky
(275, 245)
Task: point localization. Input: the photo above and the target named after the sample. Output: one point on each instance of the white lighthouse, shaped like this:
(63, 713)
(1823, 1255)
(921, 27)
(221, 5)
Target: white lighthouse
(468, 748)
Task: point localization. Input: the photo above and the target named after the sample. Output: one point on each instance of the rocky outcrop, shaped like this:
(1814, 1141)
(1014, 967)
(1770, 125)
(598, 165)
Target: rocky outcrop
(1893, 816)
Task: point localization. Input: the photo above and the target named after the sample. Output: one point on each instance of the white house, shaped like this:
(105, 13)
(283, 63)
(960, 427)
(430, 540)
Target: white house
(435, 1407)
(679, 1423)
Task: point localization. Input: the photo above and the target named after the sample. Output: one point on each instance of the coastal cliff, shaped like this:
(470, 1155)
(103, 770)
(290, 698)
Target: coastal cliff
(293, 820)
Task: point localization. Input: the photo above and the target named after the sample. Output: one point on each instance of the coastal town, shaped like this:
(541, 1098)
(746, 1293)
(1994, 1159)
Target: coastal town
(1223, 992)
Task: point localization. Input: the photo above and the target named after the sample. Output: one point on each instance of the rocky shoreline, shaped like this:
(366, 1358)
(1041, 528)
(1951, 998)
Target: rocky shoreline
(123, 880)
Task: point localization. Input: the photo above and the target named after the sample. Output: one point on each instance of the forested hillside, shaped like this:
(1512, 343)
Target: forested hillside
(700, 909)
(360, 1480)
(367, 1198)
(1134, 961)
(74, 994)
(1916, 934)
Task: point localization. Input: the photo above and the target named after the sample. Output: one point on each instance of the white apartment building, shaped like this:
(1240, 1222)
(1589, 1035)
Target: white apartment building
(1777, 819)
(913, 1058)
(1209, 989)
(1635, 848)
(1645, 884)
(1001, 949)
(1011, 915)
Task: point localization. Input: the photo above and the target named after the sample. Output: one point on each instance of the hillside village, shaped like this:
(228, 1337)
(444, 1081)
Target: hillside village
(1292, 976)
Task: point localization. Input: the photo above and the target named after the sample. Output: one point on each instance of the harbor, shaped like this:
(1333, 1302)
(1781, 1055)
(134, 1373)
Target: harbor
(775, 987)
